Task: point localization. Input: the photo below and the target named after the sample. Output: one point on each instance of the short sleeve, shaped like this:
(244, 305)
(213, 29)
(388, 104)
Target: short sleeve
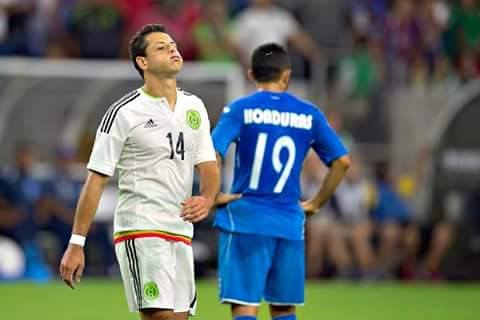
(227, 129)
(204, 147)
(109, 141)
(326, 142)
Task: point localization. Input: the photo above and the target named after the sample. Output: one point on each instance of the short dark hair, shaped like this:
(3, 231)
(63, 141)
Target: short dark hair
(138, 44)
(269, 61)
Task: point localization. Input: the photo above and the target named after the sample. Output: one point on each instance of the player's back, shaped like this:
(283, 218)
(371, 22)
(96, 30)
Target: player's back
(271, 146)
(273, 133)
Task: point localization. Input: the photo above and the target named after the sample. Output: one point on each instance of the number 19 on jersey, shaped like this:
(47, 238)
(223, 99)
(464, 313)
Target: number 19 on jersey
(283, 169)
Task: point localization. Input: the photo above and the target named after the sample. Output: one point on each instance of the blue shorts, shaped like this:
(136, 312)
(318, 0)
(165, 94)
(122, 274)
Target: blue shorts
(252, 267)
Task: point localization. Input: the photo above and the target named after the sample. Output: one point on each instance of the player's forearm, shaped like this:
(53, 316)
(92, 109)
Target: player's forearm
(332, 180)
(88, 202)
(219, 163)
(209, 175)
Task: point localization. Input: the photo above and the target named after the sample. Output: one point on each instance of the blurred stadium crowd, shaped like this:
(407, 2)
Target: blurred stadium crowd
(402, 40)
(370, 229)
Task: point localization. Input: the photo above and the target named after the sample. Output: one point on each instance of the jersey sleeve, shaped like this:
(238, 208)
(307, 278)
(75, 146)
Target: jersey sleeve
(109, 141)
(227, 129)
(204, 147)
(326, 142)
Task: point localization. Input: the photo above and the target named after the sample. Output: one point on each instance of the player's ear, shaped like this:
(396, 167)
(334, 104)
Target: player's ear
(250, 75)
(285, 77)
(142, 62)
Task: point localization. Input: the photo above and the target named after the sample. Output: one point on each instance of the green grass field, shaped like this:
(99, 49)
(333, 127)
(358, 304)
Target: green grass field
(104, 300)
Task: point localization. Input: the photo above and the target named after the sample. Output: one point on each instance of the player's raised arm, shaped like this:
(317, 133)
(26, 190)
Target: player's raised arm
(73, 261)
(330, 183)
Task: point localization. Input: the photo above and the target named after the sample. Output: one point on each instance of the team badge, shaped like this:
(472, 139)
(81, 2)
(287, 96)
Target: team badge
(193, 119)
(150, 290)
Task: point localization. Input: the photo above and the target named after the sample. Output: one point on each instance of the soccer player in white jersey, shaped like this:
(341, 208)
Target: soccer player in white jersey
(154, 136)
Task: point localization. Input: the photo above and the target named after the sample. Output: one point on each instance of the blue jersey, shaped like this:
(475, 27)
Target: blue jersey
(273, 133)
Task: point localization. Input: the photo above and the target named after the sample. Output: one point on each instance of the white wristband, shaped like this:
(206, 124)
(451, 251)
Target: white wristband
(78, 240)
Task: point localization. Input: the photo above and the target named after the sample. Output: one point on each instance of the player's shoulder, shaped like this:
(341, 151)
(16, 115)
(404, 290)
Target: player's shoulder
(125, 102)
(118, 108)
(244, 101)
(304, 105)
(237, 105)
(192, 100)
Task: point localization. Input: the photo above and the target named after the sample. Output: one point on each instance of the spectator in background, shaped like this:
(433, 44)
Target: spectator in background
(351, 204)
(11, 216)
(341, 233)
(466, 23)
(462, 39)
(392, 217)
(212, 33)
(328, 23)
(178, 16)
(403, 39)
(438, 220)
(14, 26)
(59, 45)
(262, 22)
(11, 220)
(360, 77)
(434, 15)
(29, 190)
(96, 28)
(57, 207)
(40, 25)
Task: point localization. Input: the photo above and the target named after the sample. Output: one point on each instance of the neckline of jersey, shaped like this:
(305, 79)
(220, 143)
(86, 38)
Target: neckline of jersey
(161, 99)
(271, 92)
(145, 93)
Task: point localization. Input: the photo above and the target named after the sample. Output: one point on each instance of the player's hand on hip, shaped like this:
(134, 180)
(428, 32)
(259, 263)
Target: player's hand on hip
(223, 199)
(72, 264)
(310, 207)
(196, 208)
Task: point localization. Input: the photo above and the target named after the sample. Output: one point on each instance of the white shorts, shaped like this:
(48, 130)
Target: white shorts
(157, 274)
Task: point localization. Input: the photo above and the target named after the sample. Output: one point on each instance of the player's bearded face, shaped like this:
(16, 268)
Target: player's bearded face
(162, 54)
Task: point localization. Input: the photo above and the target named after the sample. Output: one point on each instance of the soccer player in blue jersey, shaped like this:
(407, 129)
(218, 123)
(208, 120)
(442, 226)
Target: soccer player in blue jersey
(261, 246)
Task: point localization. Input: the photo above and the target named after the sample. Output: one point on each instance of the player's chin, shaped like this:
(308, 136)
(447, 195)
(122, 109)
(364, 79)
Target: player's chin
(176, 64)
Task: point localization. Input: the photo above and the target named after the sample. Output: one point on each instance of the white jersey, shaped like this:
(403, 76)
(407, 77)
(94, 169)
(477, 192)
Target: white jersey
(155, 150)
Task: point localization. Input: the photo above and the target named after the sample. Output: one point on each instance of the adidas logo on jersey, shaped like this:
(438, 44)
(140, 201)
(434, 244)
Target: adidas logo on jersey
(150, 124)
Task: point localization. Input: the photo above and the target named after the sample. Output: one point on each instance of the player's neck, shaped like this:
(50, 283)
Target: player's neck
(165, 87)
(271, 86)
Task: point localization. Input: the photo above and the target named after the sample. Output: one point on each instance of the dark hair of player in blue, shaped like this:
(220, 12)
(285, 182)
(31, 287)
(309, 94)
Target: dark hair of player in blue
(269, 61)
(138, 44)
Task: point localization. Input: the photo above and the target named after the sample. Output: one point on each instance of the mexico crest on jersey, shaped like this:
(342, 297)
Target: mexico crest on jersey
(193, 119)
